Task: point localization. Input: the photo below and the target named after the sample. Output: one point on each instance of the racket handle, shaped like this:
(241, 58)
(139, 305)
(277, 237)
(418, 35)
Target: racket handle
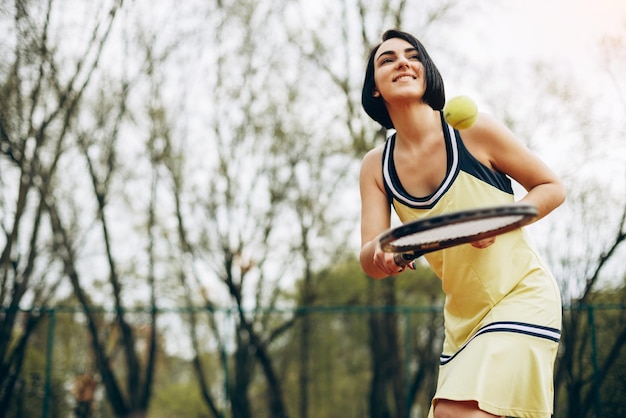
(404, 259)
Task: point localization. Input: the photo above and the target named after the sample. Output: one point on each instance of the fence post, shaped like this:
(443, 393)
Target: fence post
(407, 360)
(224, 355)
(49, 358)
(594, 359)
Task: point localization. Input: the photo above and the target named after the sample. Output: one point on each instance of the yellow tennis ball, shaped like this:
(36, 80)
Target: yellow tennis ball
(460, 112)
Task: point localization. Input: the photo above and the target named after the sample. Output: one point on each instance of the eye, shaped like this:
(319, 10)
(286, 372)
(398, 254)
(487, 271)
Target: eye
(384, 60)
(414, 57)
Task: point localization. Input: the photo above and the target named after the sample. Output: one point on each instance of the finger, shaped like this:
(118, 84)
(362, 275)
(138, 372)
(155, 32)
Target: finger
(483, 243)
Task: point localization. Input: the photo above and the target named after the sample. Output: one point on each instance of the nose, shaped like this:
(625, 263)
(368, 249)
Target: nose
(402, 61)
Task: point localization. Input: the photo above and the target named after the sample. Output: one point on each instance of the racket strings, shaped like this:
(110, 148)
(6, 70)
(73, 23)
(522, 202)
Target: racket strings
(458, 230)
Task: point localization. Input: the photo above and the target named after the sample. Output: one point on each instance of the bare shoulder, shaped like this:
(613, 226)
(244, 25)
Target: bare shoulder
(373, 160)
(489, 128)
(489, 140)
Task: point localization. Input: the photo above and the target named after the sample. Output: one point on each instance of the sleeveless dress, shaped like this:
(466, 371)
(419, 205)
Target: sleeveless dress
(502, 307)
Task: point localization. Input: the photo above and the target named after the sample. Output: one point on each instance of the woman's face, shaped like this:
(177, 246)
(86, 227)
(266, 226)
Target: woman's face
(398, 71)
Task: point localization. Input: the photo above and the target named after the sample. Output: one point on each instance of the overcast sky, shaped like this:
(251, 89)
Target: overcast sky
(563, 34)
(551, 28)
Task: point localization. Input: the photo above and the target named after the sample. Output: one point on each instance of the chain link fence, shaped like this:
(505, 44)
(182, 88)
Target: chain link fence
(59, 378)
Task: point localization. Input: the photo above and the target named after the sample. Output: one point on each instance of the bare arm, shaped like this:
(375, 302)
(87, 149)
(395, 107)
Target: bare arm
(497, 147)
(375, 218)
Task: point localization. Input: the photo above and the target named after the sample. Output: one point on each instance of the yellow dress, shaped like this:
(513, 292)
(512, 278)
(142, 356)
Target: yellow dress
(502, 309)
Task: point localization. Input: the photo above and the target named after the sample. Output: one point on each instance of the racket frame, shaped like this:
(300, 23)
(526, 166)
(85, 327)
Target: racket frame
(407, 253)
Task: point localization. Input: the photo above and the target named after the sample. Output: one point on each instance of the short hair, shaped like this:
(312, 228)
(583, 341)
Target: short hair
(434, 95)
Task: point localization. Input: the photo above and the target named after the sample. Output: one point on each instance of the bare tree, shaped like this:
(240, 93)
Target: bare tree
(39, 104)
(208, 164)
(257, 187)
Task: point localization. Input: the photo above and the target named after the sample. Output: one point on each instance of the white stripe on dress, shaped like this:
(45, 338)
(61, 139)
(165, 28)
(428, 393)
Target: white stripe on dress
(449, 176)
(552, 334)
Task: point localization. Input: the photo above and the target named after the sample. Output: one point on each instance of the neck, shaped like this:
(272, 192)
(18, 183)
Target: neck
(414, 121)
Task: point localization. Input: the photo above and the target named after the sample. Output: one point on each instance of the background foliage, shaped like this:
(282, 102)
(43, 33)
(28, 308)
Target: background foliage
(205, 155)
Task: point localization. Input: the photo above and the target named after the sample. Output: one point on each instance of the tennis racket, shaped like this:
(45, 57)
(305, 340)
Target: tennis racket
(414, 239)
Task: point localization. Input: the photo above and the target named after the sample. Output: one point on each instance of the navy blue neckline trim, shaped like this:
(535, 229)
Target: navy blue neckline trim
(394, 187)
(457, 158)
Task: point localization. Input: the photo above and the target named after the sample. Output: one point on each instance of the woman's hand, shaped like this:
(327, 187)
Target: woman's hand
(386, 262)
(483, 243)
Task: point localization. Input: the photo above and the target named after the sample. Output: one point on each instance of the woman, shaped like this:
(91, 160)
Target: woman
(502, 310)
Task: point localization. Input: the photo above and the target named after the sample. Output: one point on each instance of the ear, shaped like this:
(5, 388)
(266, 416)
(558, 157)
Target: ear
(376, 93)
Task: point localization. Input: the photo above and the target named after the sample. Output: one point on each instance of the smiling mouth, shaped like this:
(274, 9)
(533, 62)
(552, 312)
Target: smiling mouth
(404, 77)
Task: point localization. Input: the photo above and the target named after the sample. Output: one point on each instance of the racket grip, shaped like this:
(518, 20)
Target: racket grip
(404, 259)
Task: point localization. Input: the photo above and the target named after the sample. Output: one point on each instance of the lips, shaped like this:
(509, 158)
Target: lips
(404, 76)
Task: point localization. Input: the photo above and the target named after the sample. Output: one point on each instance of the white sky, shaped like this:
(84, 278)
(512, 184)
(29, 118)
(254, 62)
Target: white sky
(565, 35)
(556, 29)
